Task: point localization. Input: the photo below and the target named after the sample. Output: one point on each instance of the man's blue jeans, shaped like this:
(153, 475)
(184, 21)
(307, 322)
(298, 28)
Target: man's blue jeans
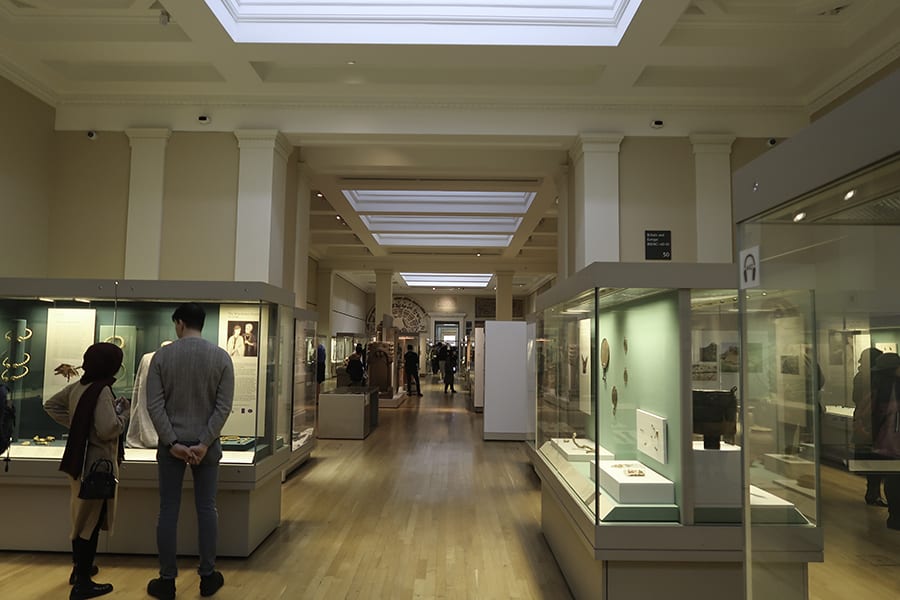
(206, 480)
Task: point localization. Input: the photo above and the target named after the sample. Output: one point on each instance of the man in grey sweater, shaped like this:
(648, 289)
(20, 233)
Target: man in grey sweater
(190, 390)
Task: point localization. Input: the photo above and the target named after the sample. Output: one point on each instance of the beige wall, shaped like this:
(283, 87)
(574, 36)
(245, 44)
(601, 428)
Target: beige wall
(744, 150)
(89, 207)
(200, 207)
(656, 190)
(26, 159)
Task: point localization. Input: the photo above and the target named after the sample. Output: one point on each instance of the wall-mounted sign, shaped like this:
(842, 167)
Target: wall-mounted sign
(657, 245)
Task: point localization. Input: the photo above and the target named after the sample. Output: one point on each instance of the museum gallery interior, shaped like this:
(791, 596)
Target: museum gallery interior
(643, 253)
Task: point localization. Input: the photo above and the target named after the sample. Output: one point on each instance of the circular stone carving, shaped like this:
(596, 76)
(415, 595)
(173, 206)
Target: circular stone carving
(409, 316)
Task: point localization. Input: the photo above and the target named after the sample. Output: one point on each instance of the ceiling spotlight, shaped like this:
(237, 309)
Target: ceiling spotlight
(849, 194)
(164, 18)
(320, 195)
(755, 186)
(799, 216)
(478, 254)
(338, 217)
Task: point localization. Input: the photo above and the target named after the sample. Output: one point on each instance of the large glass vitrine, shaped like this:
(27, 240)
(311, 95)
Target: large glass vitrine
(631, 373)
(823, 306)
(48, 324)
(303, 400)
(638, 443)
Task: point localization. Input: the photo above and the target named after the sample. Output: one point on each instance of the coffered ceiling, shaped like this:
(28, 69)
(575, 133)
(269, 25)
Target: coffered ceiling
(360, 111)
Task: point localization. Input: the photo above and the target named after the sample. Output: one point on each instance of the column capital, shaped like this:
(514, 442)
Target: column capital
(588, 142)
(711, 143)
(264, 139)
(147, 134)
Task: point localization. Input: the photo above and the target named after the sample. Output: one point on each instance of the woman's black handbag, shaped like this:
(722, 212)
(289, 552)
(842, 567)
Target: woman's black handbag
(99, 483)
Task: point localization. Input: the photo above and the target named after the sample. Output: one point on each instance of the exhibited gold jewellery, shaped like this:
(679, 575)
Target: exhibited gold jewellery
(41, 441)
(19, 338)
(12, 366)
(582, 446)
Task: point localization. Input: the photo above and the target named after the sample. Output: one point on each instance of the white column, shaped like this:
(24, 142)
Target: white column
(561, 181)
(504, 295)
(712, 175)
(259, 240)
(384, 290)
(595, 159)
(324, 293)
(301, 249)
(145, 202)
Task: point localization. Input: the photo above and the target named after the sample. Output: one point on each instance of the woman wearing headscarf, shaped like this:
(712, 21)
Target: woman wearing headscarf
(96, 420)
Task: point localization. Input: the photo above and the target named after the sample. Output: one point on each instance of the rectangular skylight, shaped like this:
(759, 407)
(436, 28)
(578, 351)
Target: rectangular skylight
(442, 240)
(473, 22)
(472, 280)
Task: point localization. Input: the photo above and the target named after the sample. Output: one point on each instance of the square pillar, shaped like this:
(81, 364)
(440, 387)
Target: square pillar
(259, 239)
(145, 202)
(595, 159)
(712, 175)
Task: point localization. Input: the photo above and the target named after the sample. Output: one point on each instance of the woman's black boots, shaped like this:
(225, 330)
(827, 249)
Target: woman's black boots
(83, 552)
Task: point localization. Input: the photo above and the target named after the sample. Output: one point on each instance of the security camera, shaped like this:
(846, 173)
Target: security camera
(657, 124)
(771, 142)
(92, 135)
(204, 119)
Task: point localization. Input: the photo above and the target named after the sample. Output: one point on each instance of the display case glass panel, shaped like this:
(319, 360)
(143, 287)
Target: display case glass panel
(303, 419)
(825, 313)
(47, 334)
(612, 381)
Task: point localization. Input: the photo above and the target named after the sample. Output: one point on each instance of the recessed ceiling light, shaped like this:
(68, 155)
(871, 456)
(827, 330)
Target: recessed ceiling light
(320, 195)
(478, 254)
(849, 194)
(338, 217)
(351, 62)
(755, 186)
(799, 216)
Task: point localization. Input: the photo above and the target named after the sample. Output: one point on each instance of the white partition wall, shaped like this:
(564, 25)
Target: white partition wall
(478, 397)
(507, 409)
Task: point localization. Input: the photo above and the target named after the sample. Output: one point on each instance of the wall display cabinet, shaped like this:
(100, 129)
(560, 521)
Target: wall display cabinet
(50, 323)
(303, 397)
(818, 226)
(638, 444)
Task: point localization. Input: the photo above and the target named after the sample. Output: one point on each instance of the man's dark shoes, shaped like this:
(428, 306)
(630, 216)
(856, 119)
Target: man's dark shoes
(94, 570)
(88, 589)
(876, 502)
(164, 589)
(210, 584)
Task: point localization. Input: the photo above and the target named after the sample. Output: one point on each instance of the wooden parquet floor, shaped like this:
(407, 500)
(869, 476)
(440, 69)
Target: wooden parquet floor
(423, 508)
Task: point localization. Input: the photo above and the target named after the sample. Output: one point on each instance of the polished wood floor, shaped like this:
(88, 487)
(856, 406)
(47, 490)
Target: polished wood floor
(423, 508)
(862, 555)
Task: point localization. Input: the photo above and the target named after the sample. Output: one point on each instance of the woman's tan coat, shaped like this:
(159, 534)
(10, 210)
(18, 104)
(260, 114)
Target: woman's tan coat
(103, 442)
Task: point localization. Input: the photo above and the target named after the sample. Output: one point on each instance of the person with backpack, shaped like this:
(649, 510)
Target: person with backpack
(95, 420)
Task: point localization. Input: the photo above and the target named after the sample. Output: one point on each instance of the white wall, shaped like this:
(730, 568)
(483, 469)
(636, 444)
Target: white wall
(348, 308)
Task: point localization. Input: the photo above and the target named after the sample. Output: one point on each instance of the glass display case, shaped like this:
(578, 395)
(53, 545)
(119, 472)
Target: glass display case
(47, 334)
(48, 324)
(303, 413)
(638, 444)
(637, 392)
(823, 309)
